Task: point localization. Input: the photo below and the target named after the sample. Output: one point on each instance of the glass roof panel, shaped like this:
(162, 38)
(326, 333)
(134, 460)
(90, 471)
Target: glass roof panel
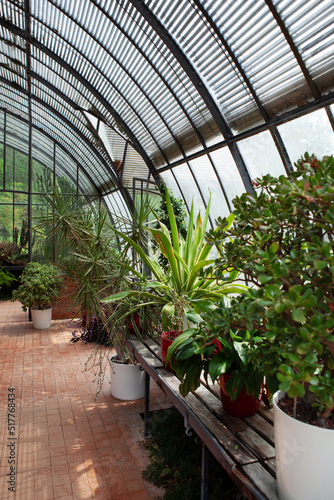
(133, 167)
(17, 134)
(85, 184)
(311, 26)
(188, 187)
(169, 179)
(312, 133)
(118, 208)
(206, 179)
(173, 81)
(42, 149)
(228, 174)
(261, 155)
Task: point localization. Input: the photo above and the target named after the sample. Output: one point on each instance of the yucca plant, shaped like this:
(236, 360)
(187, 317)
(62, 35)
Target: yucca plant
(181, 290)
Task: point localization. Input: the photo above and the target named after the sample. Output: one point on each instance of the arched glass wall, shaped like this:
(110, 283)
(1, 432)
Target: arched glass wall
(203, 94)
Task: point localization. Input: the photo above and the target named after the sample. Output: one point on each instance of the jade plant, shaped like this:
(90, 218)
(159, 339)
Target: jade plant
(282, 244)
(39, 285)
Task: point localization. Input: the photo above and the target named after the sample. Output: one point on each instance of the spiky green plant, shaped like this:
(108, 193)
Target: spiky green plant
(182, 288)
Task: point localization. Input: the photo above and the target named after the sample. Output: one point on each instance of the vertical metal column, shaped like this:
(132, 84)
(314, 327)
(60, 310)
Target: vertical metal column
(147, 405)
(205, 470)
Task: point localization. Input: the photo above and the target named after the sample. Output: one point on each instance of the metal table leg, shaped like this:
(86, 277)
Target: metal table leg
(147, 405)
(205, 469)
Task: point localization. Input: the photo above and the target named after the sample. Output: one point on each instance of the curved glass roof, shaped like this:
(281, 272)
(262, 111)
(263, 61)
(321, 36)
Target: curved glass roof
(205, 94)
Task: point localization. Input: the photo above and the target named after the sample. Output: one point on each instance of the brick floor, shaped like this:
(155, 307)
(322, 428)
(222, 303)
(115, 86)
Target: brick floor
(66, 444)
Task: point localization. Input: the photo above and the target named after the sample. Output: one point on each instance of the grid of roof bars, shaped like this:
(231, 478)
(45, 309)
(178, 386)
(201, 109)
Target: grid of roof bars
(204, 94)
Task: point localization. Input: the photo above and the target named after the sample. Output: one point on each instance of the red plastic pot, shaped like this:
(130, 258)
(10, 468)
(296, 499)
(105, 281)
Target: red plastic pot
(245, 405)
(167, 338)
(130, 327)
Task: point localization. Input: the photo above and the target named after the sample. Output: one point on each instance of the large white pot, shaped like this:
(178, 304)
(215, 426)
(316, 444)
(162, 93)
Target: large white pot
(304, 458)
(127, 381)
(41, 319)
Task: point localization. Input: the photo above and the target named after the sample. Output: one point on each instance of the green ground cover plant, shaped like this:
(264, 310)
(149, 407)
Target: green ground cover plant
(175, 462)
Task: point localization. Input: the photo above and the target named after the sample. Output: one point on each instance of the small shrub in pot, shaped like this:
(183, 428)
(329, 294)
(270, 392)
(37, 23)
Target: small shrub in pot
(39, 285)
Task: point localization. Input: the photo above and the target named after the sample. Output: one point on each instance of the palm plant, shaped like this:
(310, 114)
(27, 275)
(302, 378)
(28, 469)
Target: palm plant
(88, 251)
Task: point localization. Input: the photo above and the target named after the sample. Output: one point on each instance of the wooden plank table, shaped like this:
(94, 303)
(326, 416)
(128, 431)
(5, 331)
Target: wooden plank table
(243, 447)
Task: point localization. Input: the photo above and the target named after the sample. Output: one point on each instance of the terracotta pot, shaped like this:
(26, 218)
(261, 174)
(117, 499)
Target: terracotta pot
(167, 339)
(245, 405)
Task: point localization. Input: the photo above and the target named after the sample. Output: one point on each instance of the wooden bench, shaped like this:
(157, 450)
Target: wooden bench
(243, 447)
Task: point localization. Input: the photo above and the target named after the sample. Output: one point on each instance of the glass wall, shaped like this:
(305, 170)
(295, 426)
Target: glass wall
(25, 181)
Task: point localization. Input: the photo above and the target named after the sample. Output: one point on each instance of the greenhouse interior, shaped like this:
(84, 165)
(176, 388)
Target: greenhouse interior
(167, 199)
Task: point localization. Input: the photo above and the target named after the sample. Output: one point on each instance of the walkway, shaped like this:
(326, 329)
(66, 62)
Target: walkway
(61, 443)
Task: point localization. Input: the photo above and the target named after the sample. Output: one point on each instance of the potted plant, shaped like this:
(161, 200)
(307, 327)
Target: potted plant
(175, 292)
(40, 284)
(90, 256)
(127, 377)
(214, 349)
(282, 243)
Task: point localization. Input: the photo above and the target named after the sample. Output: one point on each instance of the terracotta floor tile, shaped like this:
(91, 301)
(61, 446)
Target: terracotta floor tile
(60, 469)
(101, 493)
(58, 460)
(131, 474)
(62, 490)
(43, 482)
(71, 446)
(60, 479)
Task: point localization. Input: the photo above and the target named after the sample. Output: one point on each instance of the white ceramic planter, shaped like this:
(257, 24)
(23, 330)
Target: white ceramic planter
(127, 381)
(304, 458)
(41, 319)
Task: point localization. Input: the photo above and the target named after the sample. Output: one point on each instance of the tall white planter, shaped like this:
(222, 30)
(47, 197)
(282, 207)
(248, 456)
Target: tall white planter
(127, 381)
(41, 319)
(304, 458)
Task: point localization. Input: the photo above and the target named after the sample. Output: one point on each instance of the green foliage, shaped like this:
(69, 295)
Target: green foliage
(162, 215)
(6, 278)
(283, 244)
(39, 285)
(175, 462)
(176, 291)
(212, 349)
(90, 256)
(87, 250)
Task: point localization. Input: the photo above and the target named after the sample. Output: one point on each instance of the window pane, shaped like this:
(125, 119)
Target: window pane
(42, 179)
(21, 171)
(228, 173)
(312, 133)
(6, 216)
(207, 180)
(169, 179)
(9, 168)
(261, 156)
(188, 187)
